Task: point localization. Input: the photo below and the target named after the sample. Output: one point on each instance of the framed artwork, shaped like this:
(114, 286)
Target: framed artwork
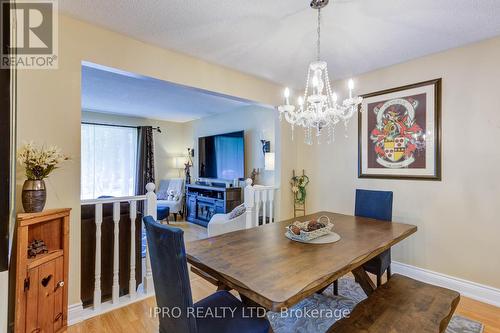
(399, 133)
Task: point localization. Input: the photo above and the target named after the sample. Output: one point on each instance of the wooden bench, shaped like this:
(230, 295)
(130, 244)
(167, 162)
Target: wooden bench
(402, 305)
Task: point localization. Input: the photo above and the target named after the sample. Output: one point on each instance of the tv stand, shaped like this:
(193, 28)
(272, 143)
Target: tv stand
(211, 183)
(203, 201)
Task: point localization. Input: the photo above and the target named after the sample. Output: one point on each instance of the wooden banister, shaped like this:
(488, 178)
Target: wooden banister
(150, 206)
(259, 198)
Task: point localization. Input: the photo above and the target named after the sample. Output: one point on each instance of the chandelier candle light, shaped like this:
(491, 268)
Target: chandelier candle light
(317, 109)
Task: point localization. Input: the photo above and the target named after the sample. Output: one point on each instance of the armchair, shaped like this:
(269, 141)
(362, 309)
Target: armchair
(171, 194)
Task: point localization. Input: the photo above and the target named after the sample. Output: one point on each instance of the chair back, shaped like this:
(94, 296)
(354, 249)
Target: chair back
(162, 192)
(170, 275)
(374, 204)
(177, 185)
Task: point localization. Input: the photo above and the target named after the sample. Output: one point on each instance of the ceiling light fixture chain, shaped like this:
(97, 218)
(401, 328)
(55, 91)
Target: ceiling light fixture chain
(319, 36)
(318, 108)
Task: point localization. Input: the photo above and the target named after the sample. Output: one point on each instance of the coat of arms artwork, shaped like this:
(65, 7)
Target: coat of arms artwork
(400, 134)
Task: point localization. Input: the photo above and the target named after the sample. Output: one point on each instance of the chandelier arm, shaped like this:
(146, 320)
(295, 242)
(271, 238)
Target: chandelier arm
(307, 86)
(329, 89)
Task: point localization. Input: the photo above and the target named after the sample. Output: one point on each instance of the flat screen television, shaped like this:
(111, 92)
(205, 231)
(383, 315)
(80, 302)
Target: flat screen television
(222, 156)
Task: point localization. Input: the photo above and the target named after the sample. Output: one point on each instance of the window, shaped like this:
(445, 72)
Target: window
(109, 161)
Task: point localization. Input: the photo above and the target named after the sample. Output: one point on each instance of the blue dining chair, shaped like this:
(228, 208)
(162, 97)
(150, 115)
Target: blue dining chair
(376, 205)
(173, 290)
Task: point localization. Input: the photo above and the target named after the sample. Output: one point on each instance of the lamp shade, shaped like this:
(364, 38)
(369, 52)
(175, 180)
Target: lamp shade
(179, 162)
(269, 161)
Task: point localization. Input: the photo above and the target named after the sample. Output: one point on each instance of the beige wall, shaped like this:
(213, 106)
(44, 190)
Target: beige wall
(457, 218)
(171, 142)
(287, 155)
(254, 120)
(49, 106)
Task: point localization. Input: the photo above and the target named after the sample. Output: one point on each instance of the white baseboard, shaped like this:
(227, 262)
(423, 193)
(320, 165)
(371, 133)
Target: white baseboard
(75, 312)
(479, 292)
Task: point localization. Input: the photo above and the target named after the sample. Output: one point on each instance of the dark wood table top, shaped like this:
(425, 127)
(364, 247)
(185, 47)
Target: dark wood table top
(275, 272)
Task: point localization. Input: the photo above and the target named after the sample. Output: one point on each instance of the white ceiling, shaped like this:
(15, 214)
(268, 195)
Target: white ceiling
(110, 90)
(276, 39)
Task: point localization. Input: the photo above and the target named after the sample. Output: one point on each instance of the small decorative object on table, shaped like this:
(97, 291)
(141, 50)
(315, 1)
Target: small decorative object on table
(38, 164)
(309, 230)
(36, 247)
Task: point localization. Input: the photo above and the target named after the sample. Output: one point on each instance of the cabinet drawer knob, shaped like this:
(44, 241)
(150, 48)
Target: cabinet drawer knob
(59, 284)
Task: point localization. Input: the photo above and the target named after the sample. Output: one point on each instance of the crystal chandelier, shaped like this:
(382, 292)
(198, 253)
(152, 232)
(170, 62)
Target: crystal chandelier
(317, 109)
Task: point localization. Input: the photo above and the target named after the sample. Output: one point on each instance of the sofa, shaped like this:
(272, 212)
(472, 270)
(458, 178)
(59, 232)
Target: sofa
(223, 223)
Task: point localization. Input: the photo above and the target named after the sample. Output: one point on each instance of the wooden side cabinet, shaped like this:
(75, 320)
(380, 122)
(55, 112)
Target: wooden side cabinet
(42, 280)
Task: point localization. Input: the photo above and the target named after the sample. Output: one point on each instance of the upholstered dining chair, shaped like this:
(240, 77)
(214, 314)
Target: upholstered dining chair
(375, 205)
(173, 290)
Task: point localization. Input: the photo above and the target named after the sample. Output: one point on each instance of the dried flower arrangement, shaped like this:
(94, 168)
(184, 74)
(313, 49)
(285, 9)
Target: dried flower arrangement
(39, 162)
(299, 184)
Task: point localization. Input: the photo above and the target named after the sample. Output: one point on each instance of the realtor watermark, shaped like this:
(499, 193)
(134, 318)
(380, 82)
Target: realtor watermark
(33, 32)
(212, 312)
(247, 312)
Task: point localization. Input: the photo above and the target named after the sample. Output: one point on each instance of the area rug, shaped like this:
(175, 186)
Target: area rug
(350, 294)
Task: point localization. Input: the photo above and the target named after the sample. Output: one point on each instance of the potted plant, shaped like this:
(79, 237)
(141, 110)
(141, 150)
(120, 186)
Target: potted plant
(38, 162)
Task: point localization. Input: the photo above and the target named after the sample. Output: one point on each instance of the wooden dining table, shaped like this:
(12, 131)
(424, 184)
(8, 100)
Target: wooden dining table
(275, 272)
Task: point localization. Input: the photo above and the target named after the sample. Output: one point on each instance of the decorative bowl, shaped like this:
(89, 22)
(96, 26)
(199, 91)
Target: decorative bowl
(306, 236)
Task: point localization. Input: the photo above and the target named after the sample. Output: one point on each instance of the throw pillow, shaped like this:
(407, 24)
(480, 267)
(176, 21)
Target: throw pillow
(240, 210)
(172, 195)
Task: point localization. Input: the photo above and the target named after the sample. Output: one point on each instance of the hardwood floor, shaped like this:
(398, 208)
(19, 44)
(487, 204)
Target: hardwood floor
(487, 314)
(137, 317)
(191, 231)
